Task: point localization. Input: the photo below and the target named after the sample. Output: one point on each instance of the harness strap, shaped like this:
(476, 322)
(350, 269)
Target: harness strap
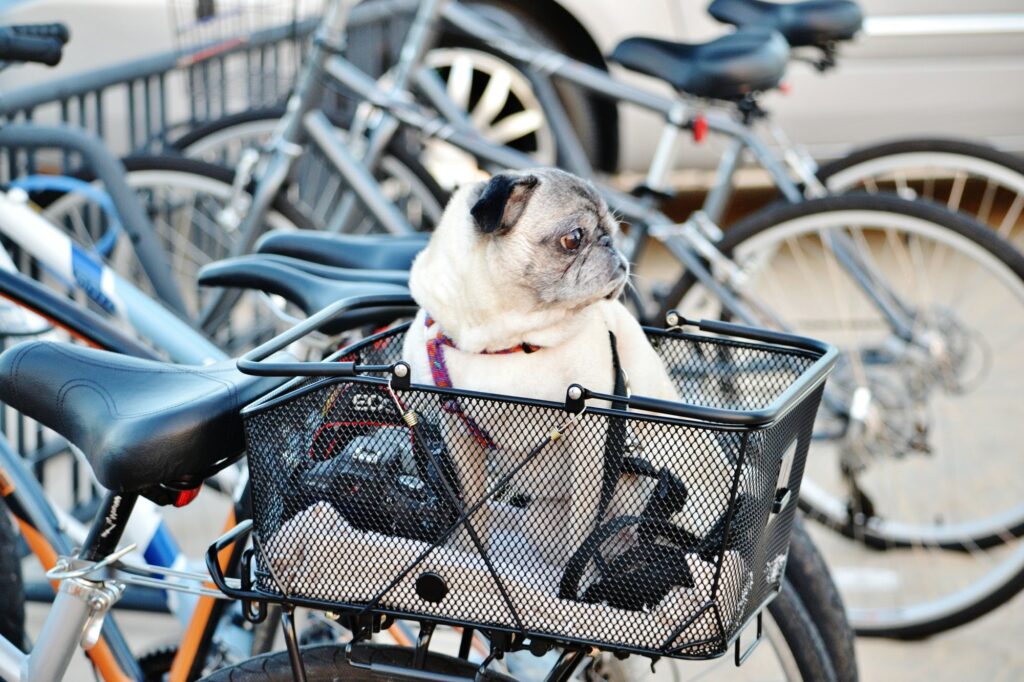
(442, 379)
(615, 439)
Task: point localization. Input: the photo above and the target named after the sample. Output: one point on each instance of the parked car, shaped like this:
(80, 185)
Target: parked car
(919, 67)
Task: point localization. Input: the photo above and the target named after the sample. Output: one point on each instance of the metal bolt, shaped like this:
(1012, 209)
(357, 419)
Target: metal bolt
(575, 392)
(673, 319)
(401, 370)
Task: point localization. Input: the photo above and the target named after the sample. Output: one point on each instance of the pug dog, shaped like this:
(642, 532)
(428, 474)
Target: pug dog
(518, 290)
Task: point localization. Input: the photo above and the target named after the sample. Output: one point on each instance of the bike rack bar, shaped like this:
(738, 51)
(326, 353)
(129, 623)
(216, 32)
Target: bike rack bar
(111, 173)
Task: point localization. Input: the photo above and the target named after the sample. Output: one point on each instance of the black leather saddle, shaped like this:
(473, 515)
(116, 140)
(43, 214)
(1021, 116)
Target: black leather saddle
(399, 277)
(365, 252)
(726, 68)
(808, 23)
(142, 424)
(310, 286)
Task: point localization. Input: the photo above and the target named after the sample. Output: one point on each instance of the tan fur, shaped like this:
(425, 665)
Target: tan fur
(469, 283)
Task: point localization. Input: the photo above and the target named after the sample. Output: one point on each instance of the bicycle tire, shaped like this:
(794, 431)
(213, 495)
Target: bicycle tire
(866, 164)
(973, 603)
(213, 140)
(803, 638)
(12, 594)
(809, 577)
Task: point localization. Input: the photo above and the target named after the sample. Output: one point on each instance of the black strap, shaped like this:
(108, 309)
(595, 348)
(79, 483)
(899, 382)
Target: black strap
(615, 439)
(620, 376)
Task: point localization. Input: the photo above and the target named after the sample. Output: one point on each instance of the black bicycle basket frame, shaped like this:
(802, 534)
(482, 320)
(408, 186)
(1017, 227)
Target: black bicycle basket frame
(372, 495)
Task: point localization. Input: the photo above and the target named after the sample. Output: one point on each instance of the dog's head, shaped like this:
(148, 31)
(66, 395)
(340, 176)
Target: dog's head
(552, 234)
(518, 252)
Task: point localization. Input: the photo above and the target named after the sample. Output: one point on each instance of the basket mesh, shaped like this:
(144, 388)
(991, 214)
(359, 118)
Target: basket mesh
(631, 532)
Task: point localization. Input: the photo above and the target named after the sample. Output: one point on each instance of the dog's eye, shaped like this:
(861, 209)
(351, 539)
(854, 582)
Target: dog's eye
(571, 241)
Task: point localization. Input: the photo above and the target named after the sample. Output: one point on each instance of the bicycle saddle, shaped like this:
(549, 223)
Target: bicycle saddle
(812, 22)
(310, 292)
(365, 252)
(142, 424)
(726, 68)
(399, 277)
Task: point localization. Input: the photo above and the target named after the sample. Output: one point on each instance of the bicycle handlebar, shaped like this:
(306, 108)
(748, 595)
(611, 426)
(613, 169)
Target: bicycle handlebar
(37, 43)
(56, 31)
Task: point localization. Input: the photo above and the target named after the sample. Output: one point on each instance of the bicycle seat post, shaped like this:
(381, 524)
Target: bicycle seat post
(83, 601)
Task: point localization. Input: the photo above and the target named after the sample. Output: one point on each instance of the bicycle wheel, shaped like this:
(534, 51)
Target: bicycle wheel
(185, 199)
(316, 187)
(12, 594)
(967, 177)
(792, 650)
(810, 578)
(927, 527)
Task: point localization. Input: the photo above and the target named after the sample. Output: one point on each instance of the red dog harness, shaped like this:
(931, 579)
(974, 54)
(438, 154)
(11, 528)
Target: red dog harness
(442, 379)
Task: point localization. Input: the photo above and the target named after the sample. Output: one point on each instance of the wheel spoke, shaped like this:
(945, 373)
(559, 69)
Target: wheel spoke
(987, 199)
(493, 99)
(515, 127)
(1006, 227)
(956, 193)
(460, 80)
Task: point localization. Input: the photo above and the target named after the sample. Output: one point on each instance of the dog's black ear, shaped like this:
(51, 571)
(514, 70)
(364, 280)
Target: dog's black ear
(502, 202)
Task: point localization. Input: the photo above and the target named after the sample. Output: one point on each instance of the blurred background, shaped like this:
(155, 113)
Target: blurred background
(919, 67)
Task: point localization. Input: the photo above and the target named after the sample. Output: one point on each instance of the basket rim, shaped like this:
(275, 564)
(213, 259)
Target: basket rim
(682, 413)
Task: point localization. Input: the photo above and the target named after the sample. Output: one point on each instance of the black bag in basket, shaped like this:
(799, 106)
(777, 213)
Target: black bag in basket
(381, 473)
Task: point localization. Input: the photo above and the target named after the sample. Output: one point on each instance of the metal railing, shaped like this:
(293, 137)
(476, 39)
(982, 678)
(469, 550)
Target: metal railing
(139, 105)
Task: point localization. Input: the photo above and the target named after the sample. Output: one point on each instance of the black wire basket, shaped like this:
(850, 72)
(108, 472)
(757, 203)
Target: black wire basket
(651, 526)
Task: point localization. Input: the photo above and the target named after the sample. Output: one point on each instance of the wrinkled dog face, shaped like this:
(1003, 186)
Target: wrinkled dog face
(551, 234)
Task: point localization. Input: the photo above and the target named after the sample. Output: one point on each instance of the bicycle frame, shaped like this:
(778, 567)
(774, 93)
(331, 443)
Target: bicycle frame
(50, 534)
(78, 613)
(110, 171)
(77, 268)
(691, 243)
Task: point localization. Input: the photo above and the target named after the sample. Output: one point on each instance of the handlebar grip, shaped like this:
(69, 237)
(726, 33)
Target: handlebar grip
(15, 48)
(56, 31)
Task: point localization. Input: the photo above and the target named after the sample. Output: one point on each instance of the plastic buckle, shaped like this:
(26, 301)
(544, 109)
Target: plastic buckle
(741, 658)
